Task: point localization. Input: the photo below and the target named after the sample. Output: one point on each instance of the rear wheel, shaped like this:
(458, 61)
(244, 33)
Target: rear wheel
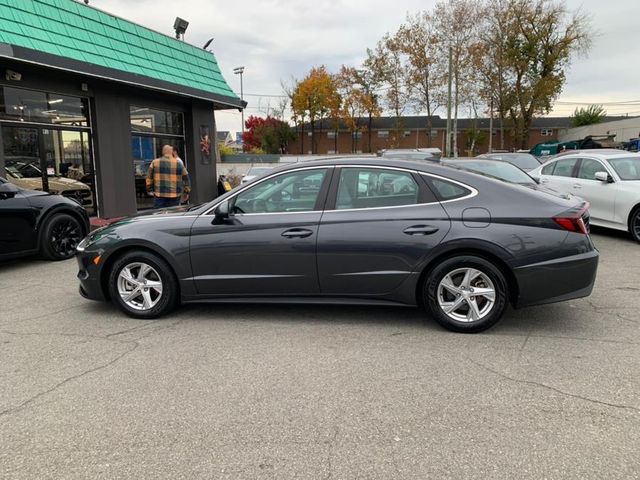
(60, 236)
(634, 224)
(466, 294)
(142, 285)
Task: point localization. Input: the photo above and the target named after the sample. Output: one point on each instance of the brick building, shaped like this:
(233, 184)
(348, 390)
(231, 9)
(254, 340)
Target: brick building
(413, 134)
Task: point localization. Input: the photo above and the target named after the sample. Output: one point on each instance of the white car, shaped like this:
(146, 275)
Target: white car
(608, 179)
(255, 172)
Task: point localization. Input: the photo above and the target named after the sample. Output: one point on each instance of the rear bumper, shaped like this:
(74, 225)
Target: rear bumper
(557, 280)
(89, 277)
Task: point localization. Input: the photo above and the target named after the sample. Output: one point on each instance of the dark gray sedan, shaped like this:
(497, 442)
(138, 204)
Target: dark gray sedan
(368, 231)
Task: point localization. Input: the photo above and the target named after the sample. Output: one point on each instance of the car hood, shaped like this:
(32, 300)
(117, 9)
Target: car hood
(56, 184)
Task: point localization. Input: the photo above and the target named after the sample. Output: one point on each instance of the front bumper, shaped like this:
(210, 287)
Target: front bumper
(557, 280)
(89, 277)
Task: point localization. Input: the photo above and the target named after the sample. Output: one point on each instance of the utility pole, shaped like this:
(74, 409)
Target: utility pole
(240, 71)
(448, 144)
(491, 125)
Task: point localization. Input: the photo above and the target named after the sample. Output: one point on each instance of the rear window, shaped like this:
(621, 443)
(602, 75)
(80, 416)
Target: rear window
(446, 190)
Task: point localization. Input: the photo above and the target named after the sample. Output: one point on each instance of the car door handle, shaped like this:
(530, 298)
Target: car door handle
(297, 233)
(544, 180)
(421, 230)
(577, 186)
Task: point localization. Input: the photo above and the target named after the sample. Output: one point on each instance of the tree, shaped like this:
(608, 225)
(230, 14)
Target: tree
(385, 65)
(459, 21)
(267, 134)
(588, 116)
(314, 98)
(425, 73)
(357, 101)
(540, 37)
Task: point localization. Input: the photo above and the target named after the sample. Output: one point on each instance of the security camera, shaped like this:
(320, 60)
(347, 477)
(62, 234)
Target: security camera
(13, 76)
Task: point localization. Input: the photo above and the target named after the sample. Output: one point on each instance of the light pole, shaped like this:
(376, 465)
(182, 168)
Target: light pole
(240, 71)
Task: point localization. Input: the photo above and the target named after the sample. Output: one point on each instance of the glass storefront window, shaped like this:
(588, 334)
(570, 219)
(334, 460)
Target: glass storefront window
(149, 120)
(145, 149)
(63, 161)
(20, 105)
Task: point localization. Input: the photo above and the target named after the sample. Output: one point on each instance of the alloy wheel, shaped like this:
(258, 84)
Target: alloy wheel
(65, 237)
(139, 286)
(466, 295)
(635, 226)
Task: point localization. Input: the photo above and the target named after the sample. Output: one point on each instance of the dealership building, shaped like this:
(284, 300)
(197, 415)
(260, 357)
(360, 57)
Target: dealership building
(88, 99)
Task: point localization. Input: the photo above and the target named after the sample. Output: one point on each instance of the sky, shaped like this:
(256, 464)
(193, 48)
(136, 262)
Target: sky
(277, 40)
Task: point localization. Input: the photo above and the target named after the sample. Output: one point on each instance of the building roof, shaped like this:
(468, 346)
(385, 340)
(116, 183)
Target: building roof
(72, 36)
(414, 122)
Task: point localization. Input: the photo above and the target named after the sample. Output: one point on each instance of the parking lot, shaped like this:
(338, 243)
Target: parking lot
(233, 391)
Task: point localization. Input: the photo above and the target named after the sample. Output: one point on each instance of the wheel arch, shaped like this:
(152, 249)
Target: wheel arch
(487, 254)
(55, 210)
(123, 250)
(632, 213)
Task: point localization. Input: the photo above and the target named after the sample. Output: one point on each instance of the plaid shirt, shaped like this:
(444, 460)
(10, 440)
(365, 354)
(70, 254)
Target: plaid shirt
(167, 178)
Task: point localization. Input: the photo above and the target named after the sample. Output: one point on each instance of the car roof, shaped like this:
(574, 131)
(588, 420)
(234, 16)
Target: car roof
(602, 153)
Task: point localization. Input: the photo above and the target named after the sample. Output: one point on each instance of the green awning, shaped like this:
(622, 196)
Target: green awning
(72, 36)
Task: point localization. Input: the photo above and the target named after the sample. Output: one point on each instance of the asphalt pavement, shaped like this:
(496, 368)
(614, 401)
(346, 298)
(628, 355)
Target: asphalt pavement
(252, 392)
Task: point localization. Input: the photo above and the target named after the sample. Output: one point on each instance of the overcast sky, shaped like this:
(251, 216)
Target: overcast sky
(277, 39)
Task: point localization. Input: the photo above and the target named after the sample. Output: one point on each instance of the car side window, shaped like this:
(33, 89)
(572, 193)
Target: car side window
(290, 192)
(446, 190)
(589, 168)
(374, 188)
(564, 167)
(548, 169)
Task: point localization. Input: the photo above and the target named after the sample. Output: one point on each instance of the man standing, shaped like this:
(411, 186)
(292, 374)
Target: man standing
(167, 180)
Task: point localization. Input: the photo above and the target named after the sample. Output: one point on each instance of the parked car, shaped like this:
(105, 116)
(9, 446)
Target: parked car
(503, 171)
(608, 179)
(424, 154)
(460, 244)
(37, 222)
(27, 175)
(524, 161)
(255, 172)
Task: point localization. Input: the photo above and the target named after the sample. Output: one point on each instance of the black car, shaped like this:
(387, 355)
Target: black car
(34, 222)
(376, 231)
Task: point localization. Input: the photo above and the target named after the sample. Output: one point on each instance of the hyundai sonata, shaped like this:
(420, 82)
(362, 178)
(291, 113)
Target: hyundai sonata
(461, 245)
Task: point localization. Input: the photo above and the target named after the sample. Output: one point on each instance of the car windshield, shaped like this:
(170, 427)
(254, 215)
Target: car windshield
(256, 171)
(499, 170)
(626, 168)
(524, 160)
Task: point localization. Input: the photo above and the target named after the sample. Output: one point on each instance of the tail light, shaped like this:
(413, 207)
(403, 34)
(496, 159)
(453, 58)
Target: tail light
(572, 220)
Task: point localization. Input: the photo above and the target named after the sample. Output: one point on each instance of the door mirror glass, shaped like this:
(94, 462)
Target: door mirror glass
(603, 177)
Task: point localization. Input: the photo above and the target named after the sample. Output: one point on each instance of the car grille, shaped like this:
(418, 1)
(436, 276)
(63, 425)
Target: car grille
(83, 197)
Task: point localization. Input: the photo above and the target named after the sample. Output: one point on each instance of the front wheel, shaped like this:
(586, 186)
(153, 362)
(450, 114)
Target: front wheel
(60, 236)
(142, 285)
(466, 294)
(634, 225)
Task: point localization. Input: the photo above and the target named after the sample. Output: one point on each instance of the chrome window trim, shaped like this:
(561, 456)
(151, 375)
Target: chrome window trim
(473, 191)
(252, 184)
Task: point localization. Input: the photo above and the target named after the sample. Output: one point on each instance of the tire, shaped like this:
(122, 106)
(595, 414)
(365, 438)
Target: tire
(634, 224)
(150, 284)
(458, 294)
(61, 235)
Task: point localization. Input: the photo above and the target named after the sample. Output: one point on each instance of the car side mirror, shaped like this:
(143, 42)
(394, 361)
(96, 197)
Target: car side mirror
(221, 213)
(8, 190)
(603, 177)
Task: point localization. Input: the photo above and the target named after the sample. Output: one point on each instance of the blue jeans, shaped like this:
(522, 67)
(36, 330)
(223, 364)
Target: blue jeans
(160, 202)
